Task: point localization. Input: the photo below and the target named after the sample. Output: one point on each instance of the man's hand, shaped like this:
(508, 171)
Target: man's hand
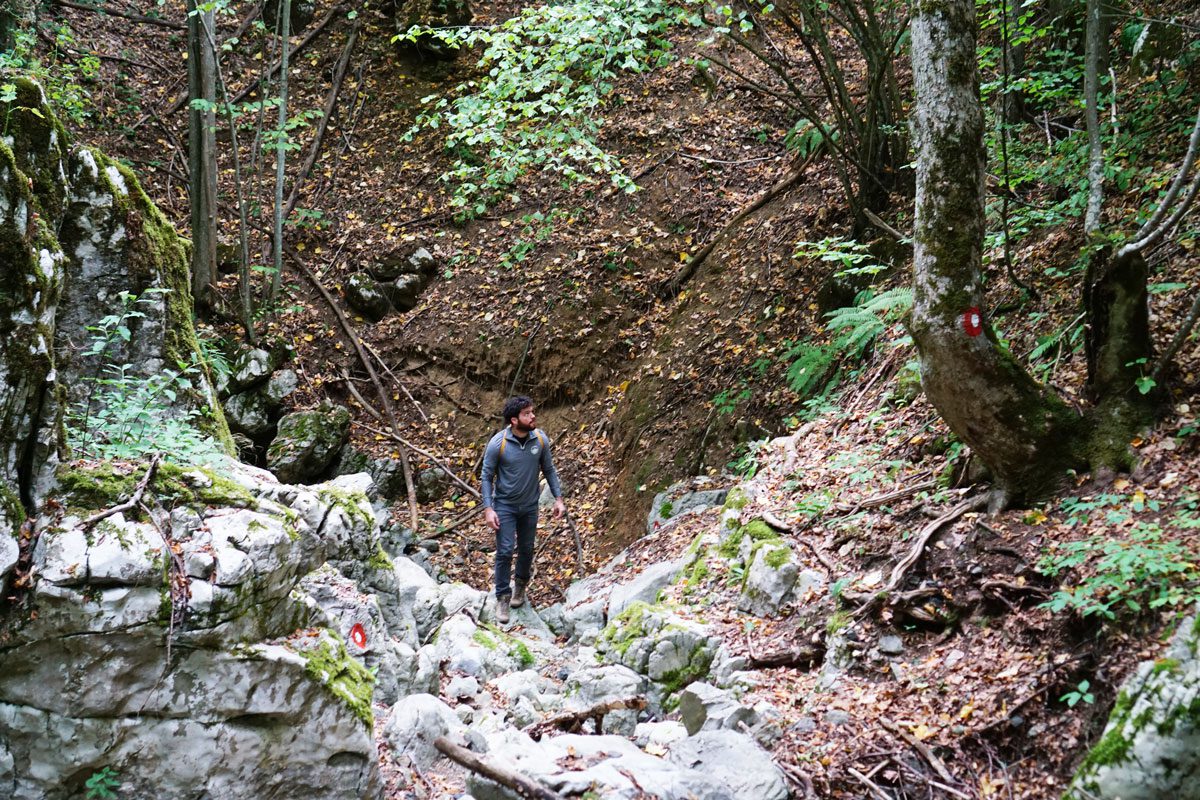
(560, 508)
(492, 520)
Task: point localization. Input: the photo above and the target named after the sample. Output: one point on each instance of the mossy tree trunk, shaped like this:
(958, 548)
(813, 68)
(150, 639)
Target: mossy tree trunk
(1022, 431)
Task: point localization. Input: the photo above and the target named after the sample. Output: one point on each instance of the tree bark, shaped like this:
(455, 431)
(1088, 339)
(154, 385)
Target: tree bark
(281, 138)
(1021, 431)
(202, 149)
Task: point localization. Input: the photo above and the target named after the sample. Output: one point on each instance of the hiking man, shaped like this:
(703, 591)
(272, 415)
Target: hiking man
(513, 462)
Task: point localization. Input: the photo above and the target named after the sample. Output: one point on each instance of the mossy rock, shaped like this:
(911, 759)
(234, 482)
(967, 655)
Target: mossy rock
(307, 443)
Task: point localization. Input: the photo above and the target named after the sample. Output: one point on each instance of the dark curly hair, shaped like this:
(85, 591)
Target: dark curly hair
(513, 407)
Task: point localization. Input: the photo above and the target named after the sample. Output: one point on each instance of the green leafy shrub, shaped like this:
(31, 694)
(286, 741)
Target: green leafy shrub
(64, 78)
(1140, 572)
(548, 72)
(127, 416)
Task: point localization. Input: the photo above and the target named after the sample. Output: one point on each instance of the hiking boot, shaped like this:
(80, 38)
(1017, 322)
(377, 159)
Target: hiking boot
(502, 609)
(518, 596)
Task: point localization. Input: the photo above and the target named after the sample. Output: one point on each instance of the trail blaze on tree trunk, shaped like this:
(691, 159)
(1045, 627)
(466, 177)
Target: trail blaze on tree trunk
(1020, 430)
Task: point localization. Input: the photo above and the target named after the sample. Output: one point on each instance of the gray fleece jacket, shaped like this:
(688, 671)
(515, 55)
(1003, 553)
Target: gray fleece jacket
(511, 477)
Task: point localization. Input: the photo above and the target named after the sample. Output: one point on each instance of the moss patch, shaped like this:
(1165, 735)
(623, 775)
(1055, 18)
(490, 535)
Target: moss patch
(96, 486)
(343, 675)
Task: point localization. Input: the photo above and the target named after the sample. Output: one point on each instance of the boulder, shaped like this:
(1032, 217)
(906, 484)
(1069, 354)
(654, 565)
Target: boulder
(734, 760)
(281, 384)
(646, 587)
(611, 767)
(668, 506)
(257, 672)
(249, 413)
(416, 262)
(307, 442)
(405, 292)
(250, 369)
(432, 14)
(703, 706)
(1150, 747)
(432, 484)
(415, 722)
(592, 686)
(366, 296)
(653, 641)
(769, 579)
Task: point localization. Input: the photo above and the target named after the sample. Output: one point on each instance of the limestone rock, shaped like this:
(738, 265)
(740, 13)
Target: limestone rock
(1151, 745)
(405, 292)
(251, 368)
(670, 650)
(734, 760)
(668, 506)
(366, 296)
(249, 413)
(432, 14)
(769, 580)
(415, 722)
(307, 442)
(432, 485)
(705, 707)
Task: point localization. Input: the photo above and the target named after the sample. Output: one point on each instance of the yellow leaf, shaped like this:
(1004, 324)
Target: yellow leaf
(683, 256)
(448, 504)
(308, 337)
(1120, 484)
(300, 246)
(471, 504)
(921, 732)
(966, 711)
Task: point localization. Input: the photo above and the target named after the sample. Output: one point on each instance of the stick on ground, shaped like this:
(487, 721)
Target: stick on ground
(522, 785)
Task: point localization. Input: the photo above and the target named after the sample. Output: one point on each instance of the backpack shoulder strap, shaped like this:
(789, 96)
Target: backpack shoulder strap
(503, 439)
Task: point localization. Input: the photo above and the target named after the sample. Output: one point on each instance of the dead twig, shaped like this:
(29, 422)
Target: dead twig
(572, 721)
(871, 785)
(926, 753)
(177, 582)
(133, 500)
(405, 462)
(401, 440)
(314, 150)
(521, 784)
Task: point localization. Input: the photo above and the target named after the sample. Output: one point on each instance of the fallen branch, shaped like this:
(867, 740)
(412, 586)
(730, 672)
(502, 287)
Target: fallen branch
(921, 748)
(139, 18)
(177, 582)
(401, 440)
(467, 517)
(671, 288)
(133, 500)
(314, 150)
(522, 785)
(578, 541)
(397, 381)
(405, 464)
(876, 792)
(803, 655)
(572, 721)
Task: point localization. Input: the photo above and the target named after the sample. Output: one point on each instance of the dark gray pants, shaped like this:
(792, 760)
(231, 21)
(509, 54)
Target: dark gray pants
(516, 534)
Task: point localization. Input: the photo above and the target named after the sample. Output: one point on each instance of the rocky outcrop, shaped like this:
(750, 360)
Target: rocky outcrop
(1151, 745)
(186, 670)
(307, 443)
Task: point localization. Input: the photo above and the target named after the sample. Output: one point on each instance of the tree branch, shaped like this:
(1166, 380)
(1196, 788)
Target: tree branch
(521, 784)
(139, 18)
(133, 500)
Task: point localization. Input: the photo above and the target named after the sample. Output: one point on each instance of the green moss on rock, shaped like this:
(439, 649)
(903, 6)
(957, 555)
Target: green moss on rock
(352, 683)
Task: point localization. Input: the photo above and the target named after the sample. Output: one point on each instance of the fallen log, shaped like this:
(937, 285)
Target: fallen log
(572, 721)
(521, 784)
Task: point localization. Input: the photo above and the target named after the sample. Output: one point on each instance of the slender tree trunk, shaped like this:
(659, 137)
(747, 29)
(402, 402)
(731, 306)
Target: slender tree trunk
(202, 149)
(1021, 431)
(285, 15)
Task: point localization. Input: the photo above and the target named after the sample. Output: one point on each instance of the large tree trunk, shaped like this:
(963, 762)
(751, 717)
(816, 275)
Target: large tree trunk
(1021, 431)
(202, 154)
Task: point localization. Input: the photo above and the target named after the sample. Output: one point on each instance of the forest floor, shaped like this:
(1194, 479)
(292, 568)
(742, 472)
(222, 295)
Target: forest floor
(556, 294)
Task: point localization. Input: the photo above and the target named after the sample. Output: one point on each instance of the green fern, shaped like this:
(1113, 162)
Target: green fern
(853, 329)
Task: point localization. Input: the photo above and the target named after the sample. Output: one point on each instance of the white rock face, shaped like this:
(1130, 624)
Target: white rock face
(1150, 748)
(248, 704)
